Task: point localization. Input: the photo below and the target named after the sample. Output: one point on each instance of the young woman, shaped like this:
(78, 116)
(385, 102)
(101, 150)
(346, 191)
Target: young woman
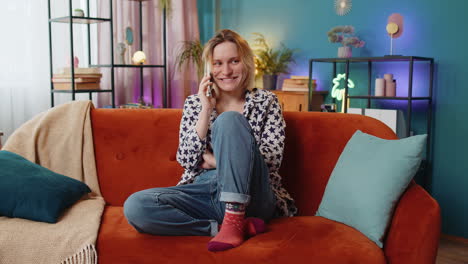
(231, 146)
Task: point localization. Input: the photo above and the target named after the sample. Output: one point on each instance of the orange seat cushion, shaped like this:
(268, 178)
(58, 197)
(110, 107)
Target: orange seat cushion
(307, 238)
(135, 150)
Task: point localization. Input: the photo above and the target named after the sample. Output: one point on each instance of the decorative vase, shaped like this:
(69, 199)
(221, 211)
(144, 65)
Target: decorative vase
(269, 81)
(345, 52)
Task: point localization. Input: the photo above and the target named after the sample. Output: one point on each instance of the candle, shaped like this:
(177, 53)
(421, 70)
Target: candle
(390, 88)
(379, 87)
(388, 77)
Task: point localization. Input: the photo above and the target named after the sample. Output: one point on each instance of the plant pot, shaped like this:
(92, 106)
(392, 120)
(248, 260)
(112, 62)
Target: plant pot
(345, 52)
(269, 81)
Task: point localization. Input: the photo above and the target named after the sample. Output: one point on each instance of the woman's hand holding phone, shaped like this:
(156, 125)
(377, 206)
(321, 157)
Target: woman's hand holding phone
(208, 102)
(209, 90)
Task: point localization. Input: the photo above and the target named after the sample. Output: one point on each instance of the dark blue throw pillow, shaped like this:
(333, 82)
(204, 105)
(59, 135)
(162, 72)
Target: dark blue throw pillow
(30, 191)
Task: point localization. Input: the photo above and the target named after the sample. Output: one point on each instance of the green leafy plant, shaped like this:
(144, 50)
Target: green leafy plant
(165, 4)
(271, 61)
(191, 52)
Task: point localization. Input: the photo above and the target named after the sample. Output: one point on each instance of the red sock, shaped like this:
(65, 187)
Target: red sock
(232, 230)
(254, 226)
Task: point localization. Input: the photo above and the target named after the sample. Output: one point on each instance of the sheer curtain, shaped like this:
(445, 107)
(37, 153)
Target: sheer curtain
(24, 65)
(182, 24)
(24, 53)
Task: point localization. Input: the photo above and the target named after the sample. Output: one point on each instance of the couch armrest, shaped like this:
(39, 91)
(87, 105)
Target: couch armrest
(414, 233)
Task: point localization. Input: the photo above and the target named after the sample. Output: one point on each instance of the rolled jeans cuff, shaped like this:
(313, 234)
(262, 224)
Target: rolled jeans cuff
(234, 197)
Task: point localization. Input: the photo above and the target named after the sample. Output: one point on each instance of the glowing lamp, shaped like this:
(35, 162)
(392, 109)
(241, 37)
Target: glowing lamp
(139, 57)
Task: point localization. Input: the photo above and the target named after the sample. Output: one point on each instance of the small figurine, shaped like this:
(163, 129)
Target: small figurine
(76, 62)
(121, 48)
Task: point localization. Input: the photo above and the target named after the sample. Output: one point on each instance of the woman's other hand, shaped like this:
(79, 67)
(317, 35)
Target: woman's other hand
(209, 161)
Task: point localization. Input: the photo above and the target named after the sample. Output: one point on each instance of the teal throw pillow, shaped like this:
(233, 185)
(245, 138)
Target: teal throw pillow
(33, 192)
(368, 180)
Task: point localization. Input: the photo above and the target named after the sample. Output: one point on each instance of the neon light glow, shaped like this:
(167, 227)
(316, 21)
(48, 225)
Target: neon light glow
(338, 92)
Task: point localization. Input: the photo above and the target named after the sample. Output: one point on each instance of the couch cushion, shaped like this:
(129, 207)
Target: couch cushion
(288, 240)
(30, 191)
(313, 144)
(135, 150)
(368, 179)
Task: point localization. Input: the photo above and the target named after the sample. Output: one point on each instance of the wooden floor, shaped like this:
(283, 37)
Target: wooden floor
(452, 250)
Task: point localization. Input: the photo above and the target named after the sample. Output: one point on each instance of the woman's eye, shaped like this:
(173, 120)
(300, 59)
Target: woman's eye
(235, 61)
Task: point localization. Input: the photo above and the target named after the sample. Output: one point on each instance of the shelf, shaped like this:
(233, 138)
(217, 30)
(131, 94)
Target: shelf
(374, 59)
(82, 91)
(387, 97)
(108, 19)
(126, 66)
(80, 20)
(301, 92)
(411, 61)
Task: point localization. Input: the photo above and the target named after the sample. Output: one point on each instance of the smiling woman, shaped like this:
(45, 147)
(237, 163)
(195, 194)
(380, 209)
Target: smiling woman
(227, 67)
(231, 146)
(226, 52)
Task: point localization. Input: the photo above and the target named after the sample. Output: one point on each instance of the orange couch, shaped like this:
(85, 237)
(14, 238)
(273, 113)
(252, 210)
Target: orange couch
(136, 150)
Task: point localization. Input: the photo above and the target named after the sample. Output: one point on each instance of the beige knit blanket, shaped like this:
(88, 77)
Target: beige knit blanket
(61, 140)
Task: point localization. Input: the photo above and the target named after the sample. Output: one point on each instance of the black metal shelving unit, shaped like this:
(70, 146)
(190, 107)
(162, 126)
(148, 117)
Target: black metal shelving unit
(410, 98)
(164, 44)
(71, 20)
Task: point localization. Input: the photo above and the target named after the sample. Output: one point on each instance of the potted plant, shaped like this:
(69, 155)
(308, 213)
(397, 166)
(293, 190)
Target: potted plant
(344, 35)
(271, 62)
(167, 5)
(191, 52)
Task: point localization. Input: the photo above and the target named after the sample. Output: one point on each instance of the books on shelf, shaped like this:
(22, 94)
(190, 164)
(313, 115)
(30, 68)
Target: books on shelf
(84, 79)
(78, 86)
(67, 71)
(299, 77)
(298, 84)
(81, 79)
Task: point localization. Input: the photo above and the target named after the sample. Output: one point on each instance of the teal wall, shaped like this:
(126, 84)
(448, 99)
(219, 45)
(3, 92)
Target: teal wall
(432, 28)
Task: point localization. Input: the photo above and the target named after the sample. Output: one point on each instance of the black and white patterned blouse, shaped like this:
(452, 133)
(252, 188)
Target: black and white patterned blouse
(265, 117)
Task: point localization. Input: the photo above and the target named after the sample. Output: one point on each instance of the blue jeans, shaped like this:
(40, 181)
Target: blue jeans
(241, 176)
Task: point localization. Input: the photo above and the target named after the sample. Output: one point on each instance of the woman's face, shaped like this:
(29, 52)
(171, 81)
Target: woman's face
(227, 67)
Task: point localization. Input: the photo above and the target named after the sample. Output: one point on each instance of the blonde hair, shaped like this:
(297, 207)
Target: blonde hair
(245, 53)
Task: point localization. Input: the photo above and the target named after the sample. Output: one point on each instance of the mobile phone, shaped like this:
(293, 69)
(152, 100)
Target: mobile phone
(209, 91)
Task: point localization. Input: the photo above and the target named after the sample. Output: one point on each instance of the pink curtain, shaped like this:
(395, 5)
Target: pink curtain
(182, 24)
